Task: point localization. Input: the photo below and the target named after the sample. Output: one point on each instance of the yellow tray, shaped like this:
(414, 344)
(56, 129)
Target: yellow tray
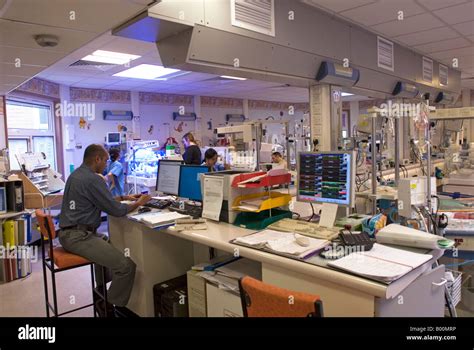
(275, 200)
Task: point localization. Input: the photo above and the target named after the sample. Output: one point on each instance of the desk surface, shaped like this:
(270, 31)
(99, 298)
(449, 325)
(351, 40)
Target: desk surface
(218, 236)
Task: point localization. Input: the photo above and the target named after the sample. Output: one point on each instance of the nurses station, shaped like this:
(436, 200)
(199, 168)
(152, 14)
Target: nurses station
(233, 154)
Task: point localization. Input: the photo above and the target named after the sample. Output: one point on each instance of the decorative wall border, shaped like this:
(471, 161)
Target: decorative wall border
(259, 104)
(155, 98)
(99, 95)
(40, 87)
(221, 102)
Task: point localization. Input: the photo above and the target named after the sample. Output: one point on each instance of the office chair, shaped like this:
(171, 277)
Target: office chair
(263, 300)
(59, 260)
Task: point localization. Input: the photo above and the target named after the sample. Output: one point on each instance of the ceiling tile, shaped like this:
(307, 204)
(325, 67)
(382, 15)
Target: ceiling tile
(457, 53)
(382, 11)
(338, 5)
(427, 36)
(438, 4)
(443, 45)
(466, 28)
(408, 25)
(456, 14)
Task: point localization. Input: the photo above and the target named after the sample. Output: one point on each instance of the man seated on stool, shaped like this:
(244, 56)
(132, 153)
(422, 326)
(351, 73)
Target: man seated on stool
(85, 196)
(279, 161)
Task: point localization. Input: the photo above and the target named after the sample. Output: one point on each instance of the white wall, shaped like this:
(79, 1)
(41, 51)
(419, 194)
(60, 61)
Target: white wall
(212, 118)
(96, 130)
(3, 137)
(156, 123)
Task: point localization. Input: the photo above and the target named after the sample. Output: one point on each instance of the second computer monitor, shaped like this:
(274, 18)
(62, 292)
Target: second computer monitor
(189, 183)
(326, 177)
(167, 180)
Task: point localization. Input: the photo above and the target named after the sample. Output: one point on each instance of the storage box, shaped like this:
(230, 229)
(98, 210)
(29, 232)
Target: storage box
(197, 305)
(222, 303)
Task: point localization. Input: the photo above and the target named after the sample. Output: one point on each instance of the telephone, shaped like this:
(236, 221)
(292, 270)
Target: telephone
(360, 240)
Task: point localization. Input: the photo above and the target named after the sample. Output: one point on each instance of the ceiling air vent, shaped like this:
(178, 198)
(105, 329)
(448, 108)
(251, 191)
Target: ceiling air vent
(427, 70)
(255, 15)
(95, 66)
(443, 75)
(385, 54)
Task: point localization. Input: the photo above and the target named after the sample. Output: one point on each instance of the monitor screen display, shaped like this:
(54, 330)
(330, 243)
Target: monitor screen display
(168, 177)
(113, 138)
(326, 177)
(190, 184)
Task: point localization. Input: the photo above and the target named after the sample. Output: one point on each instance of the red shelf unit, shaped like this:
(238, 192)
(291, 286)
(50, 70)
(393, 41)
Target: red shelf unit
(266, 181)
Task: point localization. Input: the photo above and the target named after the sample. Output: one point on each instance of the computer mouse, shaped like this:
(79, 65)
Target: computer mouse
(302, 241)
(144, 210)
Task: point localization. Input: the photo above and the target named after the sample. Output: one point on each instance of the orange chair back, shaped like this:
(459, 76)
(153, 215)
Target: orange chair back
(46, 225)
(263, 300)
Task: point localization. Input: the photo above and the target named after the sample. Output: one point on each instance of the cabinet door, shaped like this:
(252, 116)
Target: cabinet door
(422, 298)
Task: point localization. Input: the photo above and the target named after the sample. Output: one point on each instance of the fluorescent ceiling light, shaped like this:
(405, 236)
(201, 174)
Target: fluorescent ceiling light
(231, 77)
(146, 71)
(343, 94)
(110, 57)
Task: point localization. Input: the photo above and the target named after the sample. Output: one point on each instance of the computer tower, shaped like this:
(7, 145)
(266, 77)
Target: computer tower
(175, 303)
(159, 297)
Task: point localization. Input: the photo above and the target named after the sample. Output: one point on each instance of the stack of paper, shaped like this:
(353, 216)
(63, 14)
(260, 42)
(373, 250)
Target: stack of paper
(227, 276)
(282, 242)
(381, 263)
(158, 219)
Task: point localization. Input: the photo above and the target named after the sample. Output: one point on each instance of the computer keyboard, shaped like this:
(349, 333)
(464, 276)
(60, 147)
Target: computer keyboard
(195, 211)
(158, 204)
(310, 229)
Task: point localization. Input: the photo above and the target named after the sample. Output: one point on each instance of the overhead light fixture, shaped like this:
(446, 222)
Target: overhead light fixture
(335, 73)
(147, 71)
(231, 77)
(235, 118)
(446, 97)
(344, 94)
(405, 90)
(110, 57)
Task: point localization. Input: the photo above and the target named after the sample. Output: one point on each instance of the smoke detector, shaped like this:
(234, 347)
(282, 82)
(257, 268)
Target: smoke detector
(46, 40)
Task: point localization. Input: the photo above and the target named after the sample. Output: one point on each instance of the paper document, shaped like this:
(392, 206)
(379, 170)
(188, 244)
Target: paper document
(240, 268)
(381, 263)
(213, 197)
(251, 204)
(160, 218)
(328, 215)
(252, 179)
(282, 242)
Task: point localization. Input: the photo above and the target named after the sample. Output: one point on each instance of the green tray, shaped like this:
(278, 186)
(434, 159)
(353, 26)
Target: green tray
(259, 221)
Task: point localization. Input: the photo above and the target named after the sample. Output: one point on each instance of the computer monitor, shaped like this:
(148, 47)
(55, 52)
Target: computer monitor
(167, 178)
(326, 177)
(189, 183)
(113, 138)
